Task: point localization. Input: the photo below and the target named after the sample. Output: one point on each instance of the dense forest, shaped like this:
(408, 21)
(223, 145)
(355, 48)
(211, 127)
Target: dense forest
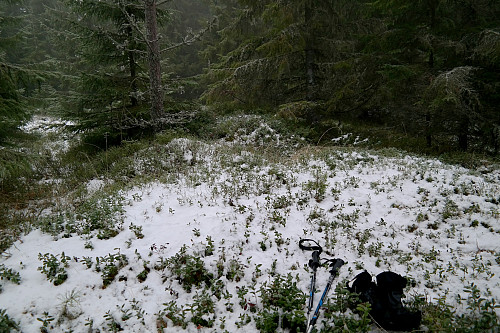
(418, 75)
(427, 71)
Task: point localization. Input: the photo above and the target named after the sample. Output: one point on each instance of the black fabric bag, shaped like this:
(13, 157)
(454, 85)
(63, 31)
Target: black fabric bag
(385, 300)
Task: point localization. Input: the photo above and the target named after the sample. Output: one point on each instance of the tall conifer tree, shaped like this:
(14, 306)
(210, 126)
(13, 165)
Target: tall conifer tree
(282, 52)
(112, 94)
(16, 80)
(429, 82)
(12, 74)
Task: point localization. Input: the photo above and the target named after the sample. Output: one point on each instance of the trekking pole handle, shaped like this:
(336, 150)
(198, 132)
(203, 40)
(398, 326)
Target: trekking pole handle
(336, 265)
(314, 262)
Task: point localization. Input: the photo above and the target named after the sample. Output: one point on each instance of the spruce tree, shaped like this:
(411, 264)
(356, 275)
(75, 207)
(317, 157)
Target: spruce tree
(12, 75)
(121, 57)
(111, 97)
(429, 82)
(16, 81)
(276, 52)
(262, 51)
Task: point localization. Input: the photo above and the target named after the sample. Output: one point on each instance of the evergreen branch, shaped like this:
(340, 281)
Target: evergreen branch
(121, 46)
(259, 62)
(131, 20)
(195, 37)
(29, 74)
(168, 119)
(159, 3)
(488, 46)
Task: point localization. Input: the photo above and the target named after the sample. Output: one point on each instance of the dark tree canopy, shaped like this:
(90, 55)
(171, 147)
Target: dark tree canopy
(425, 69)
(382, 62)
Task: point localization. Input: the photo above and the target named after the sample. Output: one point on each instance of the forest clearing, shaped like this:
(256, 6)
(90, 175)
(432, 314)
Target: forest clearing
(249, 166)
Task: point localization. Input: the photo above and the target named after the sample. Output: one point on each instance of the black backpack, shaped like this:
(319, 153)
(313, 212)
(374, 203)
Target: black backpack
(385, 300)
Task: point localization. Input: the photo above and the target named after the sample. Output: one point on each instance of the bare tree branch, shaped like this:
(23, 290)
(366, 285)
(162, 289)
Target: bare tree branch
(188, 40)
(159, 3)
(133, 22)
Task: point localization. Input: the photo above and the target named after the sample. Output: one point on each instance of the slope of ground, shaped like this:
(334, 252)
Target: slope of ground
(211, 244)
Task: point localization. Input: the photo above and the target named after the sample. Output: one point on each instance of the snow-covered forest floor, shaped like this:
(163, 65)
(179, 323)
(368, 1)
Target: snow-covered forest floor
(209, 243)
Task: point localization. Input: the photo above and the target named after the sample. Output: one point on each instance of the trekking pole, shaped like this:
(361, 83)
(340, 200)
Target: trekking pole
(335, 265)
(314, 264)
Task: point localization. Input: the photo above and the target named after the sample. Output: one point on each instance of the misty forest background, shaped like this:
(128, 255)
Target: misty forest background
(420, 75)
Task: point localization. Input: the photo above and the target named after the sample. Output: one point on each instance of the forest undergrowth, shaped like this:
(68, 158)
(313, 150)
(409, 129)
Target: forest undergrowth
(177, 233)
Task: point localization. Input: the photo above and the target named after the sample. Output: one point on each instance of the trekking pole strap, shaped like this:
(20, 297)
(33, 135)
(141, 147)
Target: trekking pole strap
(309, 247)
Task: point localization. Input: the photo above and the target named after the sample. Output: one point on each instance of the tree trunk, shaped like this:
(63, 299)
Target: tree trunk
(496, 140)
(428, 134)
(155, 88)
(309, 52)
(463, 135)
(432, 6)
(133, 72)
